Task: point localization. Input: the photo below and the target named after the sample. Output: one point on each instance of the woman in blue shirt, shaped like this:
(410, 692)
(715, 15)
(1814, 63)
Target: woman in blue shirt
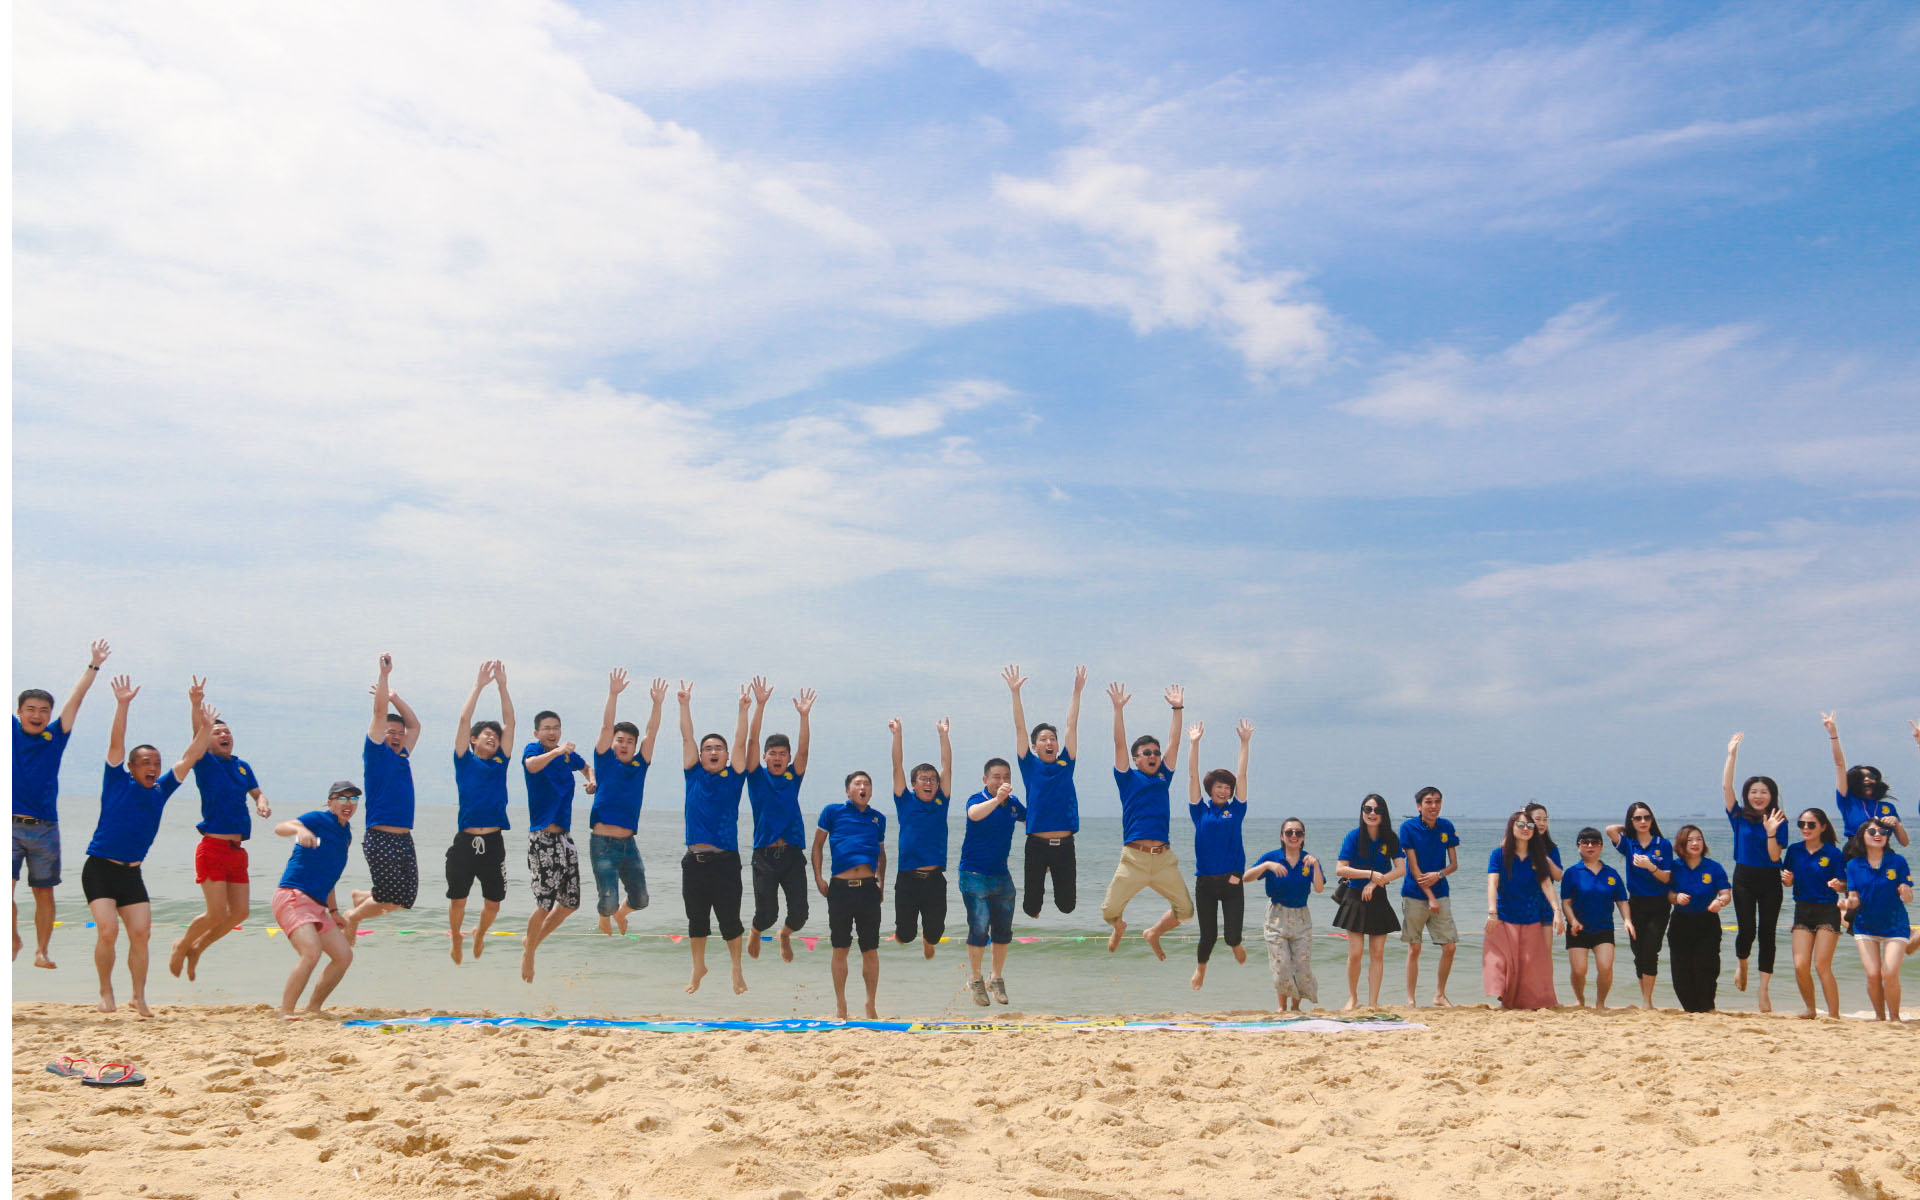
(1290, 873)
(1369, 860)
(1589, 892)
(1649, 868)
(1759, 835)
(1816, 870)
(1700, 889)
(1219, 852)
(1879, 888)
(1860, 792)
(1516, 962)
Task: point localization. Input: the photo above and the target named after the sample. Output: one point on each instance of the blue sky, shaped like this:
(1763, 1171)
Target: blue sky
(1514, 398)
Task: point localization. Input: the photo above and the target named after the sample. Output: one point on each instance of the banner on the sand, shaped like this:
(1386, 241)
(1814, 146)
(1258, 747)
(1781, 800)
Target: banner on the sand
(1374, 1023)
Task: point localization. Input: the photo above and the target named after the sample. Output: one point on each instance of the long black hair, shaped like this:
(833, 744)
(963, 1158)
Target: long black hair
(1653, 822)
(1389, 839)
(1826, 827)
(1857, 844)
(1536, 854)
(1773, 798)
(1541, 838)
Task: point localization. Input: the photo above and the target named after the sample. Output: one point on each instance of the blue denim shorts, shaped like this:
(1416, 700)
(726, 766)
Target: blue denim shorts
(38, 844)
(989, 900)
(616, 867)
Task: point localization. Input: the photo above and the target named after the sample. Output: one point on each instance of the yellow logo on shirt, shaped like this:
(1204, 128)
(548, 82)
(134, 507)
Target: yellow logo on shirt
(1823, 860)
(1892, 874)
(242, 770)
(1610, 879)
(46, 735)
(1444, 837)
(788, 775)
(1707, 878)
(723, 773)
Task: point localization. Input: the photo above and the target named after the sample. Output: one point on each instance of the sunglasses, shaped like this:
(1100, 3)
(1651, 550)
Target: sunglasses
(1874, 831)
(1808, 824)
(1589, 841)
(1370, 810)
(1293, 833)
(1643, 816)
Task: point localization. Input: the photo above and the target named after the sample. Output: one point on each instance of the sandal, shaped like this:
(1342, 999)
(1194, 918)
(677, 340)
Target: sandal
(979, 996)
(117, 1074)
(70, 1066)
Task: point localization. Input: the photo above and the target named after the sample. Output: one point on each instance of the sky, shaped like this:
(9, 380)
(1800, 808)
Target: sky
(1518, 399)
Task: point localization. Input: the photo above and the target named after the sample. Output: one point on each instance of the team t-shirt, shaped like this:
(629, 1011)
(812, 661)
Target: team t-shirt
(1750, 841)
(550, 789)
(713, 807)
(1218, 848)
(225, 783)
(620, 789)
(1145, 805)
(1593, 894)
(985, 845)
(1377, 859)
(923, 830)
(36, 770)
(1052, 802)
(482, 786)
(316, 869)
(854, 835)
(775, 800)
(129, 814)
(388, 774)
(1881, 913)
(1813, 870)
(1640, 881)
(1289, 890)
(1429, 846)
(1518, 899)
(1700, 883)
(1855, 812)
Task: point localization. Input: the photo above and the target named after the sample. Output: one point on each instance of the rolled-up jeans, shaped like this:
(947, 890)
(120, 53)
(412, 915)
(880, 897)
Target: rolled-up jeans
(616, 864)
(989, 900)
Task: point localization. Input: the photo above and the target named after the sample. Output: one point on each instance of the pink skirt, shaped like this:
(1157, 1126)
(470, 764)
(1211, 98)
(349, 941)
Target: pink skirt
(1516, 965)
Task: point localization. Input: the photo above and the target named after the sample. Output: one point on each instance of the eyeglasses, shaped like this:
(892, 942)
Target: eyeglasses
(1523, 824)
(1589, 841)
(1293, 833)
(1874, 831)
(1808, 824)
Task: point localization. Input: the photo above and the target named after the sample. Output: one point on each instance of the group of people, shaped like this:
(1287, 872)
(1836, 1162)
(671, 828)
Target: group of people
(1664, 890)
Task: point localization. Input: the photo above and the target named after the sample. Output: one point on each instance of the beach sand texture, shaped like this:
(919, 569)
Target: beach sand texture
(1483, 1103)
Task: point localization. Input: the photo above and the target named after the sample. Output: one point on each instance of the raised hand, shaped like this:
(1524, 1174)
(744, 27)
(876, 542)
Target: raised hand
(1118, 694)
(762, 690)
(1826, 719)
(98, 652)
(942, 725)
(196, 690)
(893, 725)
(1015, 679)
(1079, 680)
(1005, 790)
(386, 665)
(566, 748)
(746, 697)
(617, 681)
(485, 676)
(1176, 695)
(685, 694)
(1244, 729)
(1733, 743)
(803, 703)
(123, 689)
(500, 672)
(1773, 821)
(1194, 732)
(657, 690)
(1916, 732)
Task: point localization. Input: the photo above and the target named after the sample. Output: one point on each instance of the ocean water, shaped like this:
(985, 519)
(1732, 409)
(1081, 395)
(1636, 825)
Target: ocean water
(404, 961)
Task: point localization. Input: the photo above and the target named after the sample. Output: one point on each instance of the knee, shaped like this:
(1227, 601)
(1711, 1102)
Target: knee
(139, 937)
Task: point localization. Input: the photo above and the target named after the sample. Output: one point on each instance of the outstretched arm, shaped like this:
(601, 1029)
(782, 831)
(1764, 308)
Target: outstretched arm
(123, 694)
(1118, 694)
(1839, 755)
(1194, 733)
(610, 716)
(762, 692)
(1070, 740)
(1014, 679)
(1726, 775)
(1176, 700)
(70, 711)
(460, 735)
(408, 718)
(740, 742)
(946, 756)
(377, 731)
(803, 704)
(657, 692)
(506, 706)
(198, 746)
(689, 749)
(196, 696)
(899, 757)
(1245, 730)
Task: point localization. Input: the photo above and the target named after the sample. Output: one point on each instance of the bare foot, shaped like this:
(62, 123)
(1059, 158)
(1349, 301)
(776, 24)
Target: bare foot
(1809, 1015)
(1599, 1007)
(459, 944)
(1199, 976)
(841, 1015)
(18, 945)
(1766, 1001)
(700, 973)
(873, 1014)
(753, 943)
(1240, 954)
(41, 960)
(193, 962)
(479, 943)
(786, 946)
(106, 1001)
(620, 918)
(360, 897)
(1440, 1000)
(140, 1006)
(290, 1016)
(526, 964)
(1113, 939)
(928, 950)
(1740, 975)
(739, 983)
(1352, 1003)
(1152, 938)
(177, 957)
(606, 926)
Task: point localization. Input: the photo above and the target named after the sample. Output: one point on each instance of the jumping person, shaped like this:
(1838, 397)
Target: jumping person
(132, 797)
(1649, 869)
(1046, 759)
(1879, 888)
(1861, 793)
(920, 888)
(226, 783)
(1146, 855)
(1816, 870)
(39, 742)
(1515, 965)
(305, 905)
(386, 766)
(986, 885)
(1700, 889)
(775, 771)
(1759, 837)
(1370, 859)
(1219, 850)
(1290, 873)
(857, 833)
(1426, 904)
(710, 870)
(552, 859)
(1589, 894)
(620, 760)
(479, 850)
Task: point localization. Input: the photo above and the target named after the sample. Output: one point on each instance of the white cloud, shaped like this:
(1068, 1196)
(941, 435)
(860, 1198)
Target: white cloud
(927, 414)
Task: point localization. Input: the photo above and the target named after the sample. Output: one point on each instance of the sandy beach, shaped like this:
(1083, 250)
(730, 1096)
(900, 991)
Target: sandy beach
(1482, 1103)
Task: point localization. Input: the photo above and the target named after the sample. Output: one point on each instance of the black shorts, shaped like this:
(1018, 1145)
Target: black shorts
(853, 902)
(103, 880)
(920, 905)
(710, 890)
(1588, 939)
(481, 856)
(1815, 917)
(394, 866)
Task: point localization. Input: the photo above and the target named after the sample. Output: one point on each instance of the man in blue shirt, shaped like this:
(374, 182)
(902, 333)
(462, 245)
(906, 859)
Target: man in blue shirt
(920, 889)
(479, 851)
(386, 764)
(226, 784)
(779, 831)
(620, 761)
(305, 907)
(39, 741)
(986, 886)
(710, 871)
(1146, 856)
(552, 859)
(1053, 806)
(1433, 853)
(858, 834)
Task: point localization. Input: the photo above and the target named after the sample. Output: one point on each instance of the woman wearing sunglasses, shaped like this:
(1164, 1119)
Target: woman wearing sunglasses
(1860, 792)
(1700, 889)
(1370, 859)
(1817, 873)
(1649, 869)
(1516, 962)
(1879, 888)
(1589, 893)
(1290, 874)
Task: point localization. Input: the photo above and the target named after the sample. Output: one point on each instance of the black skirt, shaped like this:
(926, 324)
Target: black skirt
(1366, 916)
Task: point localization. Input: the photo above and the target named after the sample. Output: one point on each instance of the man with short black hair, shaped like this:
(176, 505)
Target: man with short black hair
(1433, 853)
(386, 763)
(552, 859)
(857, 833)
(479, 850)
(1146, 856)
(710, 871)
(620, 761)
(226, 784)
(39, 742)
(779, 831)
(1046, 763)
(920, 889)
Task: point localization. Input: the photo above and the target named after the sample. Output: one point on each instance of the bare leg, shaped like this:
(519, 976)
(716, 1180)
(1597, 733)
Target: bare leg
(456, 917)
(339, 947)
(1119, 931)
(306, 942)
(926, 947)
(1378, 970)
(870, 973)
(1156, 930)
(1413, 975)
(1646, 990)
(739, 975)
(1199, 975)
(1824, 943)
(365, 908)
(753, 941)
(1891, 954)
(1577, 973)
(42, 928)
(106, 928)
(139, 922)
(786, 944)
(1803, 970)
(839, 983)
(187, 947)
(976, 956)
(1870, 963)
(489, 909)
(1356, 946)
(1740, 974)
(17, 943)
(1446, 968)
(699, 948)
(1603, 960)
(999, 961)
(1765, 1000)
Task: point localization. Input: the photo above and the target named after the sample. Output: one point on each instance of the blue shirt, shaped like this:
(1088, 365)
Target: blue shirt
(1217, 846)
(1640, 881)
(775, 800)
(1702, 883)
(1289, 890)
(985, 845)
(36, 770)
(1750, 841)
(1594, 894)
(388, 775)
(1855, 812)
(129, 814)
(315, 870)
(1881, 913)
(1430, 846)
(1813, 871)
(923, 830)
(854, 834)
(713, 807)
(1519, 900)
(1376, 861)
(1145, 805)
(550, 790)
(1052, 802)
(482, 784)
(225, 784)
(622, 785)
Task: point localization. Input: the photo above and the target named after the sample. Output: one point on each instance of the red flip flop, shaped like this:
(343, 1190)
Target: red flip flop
(70, 1066)
(115, 1075)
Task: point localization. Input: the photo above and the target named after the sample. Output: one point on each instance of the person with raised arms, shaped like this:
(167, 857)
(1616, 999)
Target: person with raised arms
(986, 884)
(1046, 760)
(481, 761)
(621, 757)
(1146, 856)
(386, 766)
(1701, 888)
(1759, 839)
(1816, 870)
(1290, 874)
(39, 742)
(552, 858)
(1861, 792)
(920, 888)
(1590, 891)
(1649, 869)
(132, 798)
(1879, 888)
(305, 906)
(710, 871)
(775, 771)
(1426, 902)
(857, 835)
(226, 784)
(1219, 850)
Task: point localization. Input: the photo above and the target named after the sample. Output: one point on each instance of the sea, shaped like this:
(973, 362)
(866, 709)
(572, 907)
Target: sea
(1057, 965)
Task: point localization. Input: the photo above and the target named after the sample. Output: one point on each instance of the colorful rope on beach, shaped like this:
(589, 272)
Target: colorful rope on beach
(1356, 1023)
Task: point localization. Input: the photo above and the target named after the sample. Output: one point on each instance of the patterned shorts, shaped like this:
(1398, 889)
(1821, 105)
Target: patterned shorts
(394, 866)
(555, 865)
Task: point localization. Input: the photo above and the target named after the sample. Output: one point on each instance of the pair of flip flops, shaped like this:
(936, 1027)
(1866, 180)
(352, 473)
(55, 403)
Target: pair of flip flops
(115, 1074)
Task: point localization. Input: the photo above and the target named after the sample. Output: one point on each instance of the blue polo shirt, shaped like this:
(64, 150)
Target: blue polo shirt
(1430, 846)
(1052, 802)
(1289, 890)
(1881, 913)
(1855, 812)
(1593, 894)
(1640, 881)
(482, 785)
(1750, 841)
(36, 770)
(1376, 860)
(225, 785)
(315, 870)
(1218, 848)
(1518, 900)
(621, 788)
(713, 807)
(1814, 870)
(388, 775)
(550, 790)
(985, 845)
(775, 800)
(923, 830)
(1701, 883)
(129, 814)
(1145, 805)
(854, 835)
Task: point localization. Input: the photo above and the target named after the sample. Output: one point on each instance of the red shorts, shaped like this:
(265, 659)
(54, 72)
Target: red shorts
(293, 908)
(217, 860)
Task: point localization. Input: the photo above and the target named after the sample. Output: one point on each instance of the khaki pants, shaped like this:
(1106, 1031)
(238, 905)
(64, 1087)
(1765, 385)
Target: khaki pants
(1138, 870)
